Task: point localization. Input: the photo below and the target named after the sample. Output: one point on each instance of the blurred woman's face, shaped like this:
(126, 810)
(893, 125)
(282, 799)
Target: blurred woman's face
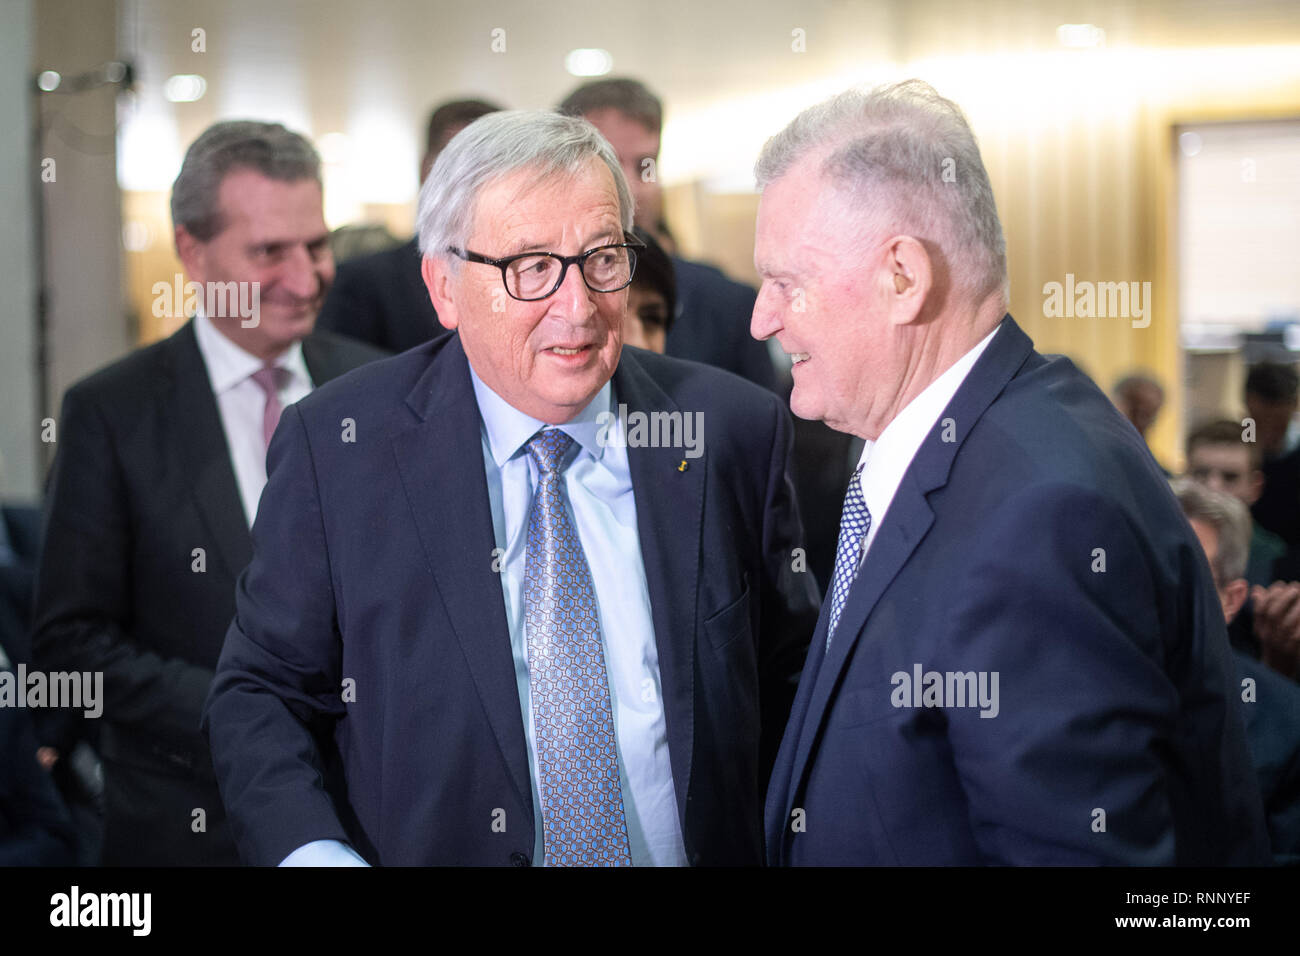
(646, 318)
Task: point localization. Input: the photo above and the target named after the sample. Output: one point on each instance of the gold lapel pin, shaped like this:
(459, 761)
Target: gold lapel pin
(682, 466)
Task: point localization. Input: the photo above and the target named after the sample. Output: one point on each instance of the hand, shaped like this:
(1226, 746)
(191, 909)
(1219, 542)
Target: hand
(1277, 625)
(47, 757)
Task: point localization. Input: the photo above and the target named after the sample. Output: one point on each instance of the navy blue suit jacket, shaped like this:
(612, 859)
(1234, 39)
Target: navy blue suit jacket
(1114, 686)
(373, 565)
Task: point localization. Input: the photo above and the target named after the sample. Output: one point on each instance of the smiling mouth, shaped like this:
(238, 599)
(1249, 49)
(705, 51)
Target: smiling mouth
(797, 358)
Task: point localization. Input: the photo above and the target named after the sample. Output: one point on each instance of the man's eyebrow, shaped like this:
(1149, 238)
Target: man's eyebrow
(525, 245)
(601, 238)
(274, 244)
(604, 237)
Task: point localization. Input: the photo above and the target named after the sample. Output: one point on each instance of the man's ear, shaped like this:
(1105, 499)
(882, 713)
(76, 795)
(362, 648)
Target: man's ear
(193, 254)
(1254, 486)
(908, 277)
(1234, 596)
(442, 287)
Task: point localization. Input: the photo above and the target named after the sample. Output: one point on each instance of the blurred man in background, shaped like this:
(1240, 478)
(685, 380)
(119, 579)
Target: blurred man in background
(1269, 704)
(1218, 458)
(160, 465)
(712, 321)
(1139, 398)
(1271, 398)
(380, 298)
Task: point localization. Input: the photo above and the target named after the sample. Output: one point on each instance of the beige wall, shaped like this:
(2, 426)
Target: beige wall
(1083, 173)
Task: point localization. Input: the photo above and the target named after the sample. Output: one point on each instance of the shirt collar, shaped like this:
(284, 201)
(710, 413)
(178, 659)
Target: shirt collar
(229, 364)
(508, 429)
(886, 459)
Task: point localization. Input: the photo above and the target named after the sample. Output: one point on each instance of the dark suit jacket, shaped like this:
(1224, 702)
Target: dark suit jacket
(381, 299)
(373, 565)
(712, 323)
(1113, 686)
(1278, 507)
(141, 479)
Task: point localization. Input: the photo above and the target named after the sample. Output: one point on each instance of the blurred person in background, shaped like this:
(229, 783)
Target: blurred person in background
(353, 241)
(713, 311)
(160, 466)
(652, 296)
(1271, 399)
(1139, 396)
(381, 298)
(1269, 704)
(35, 826)
(1218, 458)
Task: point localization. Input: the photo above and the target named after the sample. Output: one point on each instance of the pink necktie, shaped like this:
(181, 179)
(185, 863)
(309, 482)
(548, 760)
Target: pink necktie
(268, 379)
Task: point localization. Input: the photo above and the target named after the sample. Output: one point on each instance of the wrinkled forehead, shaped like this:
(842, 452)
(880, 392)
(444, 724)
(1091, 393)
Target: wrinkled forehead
(534, 195)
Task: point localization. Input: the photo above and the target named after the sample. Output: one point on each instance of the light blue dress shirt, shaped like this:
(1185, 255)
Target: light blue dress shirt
(598, 483)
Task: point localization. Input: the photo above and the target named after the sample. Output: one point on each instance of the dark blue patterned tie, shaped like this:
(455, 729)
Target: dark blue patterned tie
(855, 522)
(577, 766)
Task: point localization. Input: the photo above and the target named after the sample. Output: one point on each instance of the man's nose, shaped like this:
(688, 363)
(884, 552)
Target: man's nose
(766, 320)
(301, 275)
(573, 298)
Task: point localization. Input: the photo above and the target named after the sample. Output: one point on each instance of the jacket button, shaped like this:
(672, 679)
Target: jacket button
(520, 859)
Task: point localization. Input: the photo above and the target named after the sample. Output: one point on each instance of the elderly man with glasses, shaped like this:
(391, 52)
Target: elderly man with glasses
(523, 596)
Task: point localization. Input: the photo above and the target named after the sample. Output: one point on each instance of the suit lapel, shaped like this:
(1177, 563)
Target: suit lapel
(905, 525)
(439, 458)
(669, 515)
(190, 406)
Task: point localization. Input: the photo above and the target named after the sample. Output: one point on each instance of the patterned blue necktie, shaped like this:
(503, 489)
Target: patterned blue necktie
(577, 767)
(855, 522)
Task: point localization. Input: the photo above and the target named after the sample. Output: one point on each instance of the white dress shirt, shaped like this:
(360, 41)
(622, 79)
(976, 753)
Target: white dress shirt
(242, 403)
(889, 456)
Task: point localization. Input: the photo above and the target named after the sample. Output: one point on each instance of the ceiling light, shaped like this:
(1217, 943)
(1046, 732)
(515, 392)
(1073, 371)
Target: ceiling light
(185, 87)
(588, 62)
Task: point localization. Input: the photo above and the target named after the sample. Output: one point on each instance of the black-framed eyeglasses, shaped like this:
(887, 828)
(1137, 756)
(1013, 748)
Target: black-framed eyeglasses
(530, 276)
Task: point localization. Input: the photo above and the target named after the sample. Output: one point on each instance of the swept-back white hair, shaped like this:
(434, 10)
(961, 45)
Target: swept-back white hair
(905, 157)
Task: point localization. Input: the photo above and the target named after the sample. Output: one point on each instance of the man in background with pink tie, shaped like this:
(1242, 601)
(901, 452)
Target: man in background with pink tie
(160, 463)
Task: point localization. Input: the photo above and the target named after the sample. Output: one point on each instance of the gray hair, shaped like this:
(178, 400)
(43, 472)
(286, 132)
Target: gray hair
(495, 146)
(267, 148)
(630, 97)
(1229, 519)
(907, 158)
